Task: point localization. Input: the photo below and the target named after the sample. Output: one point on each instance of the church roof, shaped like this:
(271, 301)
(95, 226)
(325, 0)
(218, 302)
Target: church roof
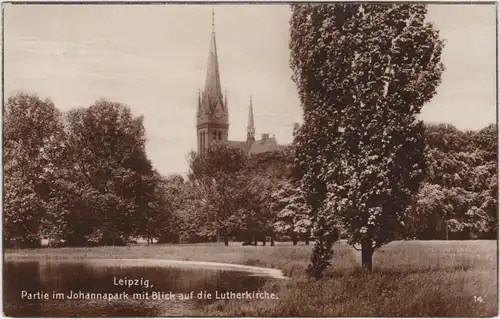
(266, 144)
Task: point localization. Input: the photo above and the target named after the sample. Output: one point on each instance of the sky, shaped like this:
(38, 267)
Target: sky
(153, 58)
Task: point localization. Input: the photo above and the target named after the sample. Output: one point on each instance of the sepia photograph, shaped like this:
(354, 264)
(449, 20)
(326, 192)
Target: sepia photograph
(231, 159)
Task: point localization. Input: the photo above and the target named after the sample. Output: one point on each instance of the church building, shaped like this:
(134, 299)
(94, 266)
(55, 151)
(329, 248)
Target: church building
(213, 113)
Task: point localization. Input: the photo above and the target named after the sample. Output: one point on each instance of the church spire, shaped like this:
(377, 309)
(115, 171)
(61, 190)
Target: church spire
(251, 126)
(212, 124)
(212, 81)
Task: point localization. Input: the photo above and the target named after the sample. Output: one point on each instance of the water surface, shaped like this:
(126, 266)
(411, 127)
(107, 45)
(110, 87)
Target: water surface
(157, 282)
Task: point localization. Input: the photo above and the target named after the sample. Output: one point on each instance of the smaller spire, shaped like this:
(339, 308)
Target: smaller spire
(251, 126)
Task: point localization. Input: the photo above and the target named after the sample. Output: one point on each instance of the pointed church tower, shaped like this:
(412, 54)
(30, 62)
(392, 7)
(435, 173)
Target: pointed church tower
(212, 116)
(251, 126)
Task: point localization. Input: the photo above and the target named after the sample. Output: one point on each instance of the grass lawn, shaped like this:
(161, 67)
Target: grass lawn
(410, 278)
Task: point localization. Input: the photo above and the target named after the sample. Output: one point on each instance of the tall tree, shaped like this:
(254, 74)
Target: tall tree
(360, 137)
(292, 213)
(175, 196)
(266, 172)
(33, 144)
(218, 179)
(112, 170)
(155, 222)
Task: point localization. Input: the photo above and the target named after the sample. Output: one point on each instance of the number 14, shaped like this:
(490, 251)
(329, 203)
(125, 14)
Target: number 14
(478, 299)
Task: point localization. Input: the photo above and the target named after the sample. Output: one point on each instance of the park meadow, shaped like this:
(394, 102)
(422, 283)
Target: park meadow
(410, 278)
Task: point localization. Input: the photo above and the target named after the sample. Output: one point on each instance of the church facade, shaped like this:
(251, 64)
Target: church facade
(212, 123)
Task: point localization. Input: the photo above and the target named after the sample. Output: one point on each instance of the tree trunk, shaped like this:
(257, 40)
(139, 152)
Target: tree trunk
(272, 239)
(294, 239)
(255, 240)
(225, 236)
(307, 240)
(366, 256)
(264, 240)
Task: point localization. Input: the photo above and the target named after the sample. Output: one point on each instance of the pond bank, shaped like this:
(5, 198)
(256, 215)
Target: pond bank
(277, 257)
(185, 264)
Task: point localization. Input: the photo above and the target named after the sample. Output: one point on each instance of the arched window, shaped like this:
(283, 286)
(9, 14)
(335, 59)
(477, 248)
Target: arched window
(220, 136)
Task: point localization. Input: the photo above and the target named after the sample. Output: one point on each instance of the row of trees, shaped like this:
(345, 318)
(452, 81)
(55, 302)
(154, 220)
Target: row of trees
(235, 192)
(263, 192)
(458, 198)
(83, 179)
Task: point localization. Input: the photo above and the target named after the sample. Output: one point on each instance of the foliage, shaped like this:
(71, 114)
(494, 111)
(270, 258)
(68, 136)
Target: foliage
(293, 214)
(218, 180)
(459, 198)
(360, 137)
(33, 138)
(275, 165)
(88, 182)
(110, 166)
(266, 171)
(186, 220)
(85, 180)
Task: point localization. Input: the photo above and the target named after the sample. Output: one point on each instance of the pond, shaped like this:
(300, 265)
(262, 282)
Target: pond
(115, 288)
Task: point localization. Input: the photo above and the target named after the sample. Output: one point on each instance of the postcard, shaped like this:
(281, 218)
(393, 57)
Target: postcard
(250, 159)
